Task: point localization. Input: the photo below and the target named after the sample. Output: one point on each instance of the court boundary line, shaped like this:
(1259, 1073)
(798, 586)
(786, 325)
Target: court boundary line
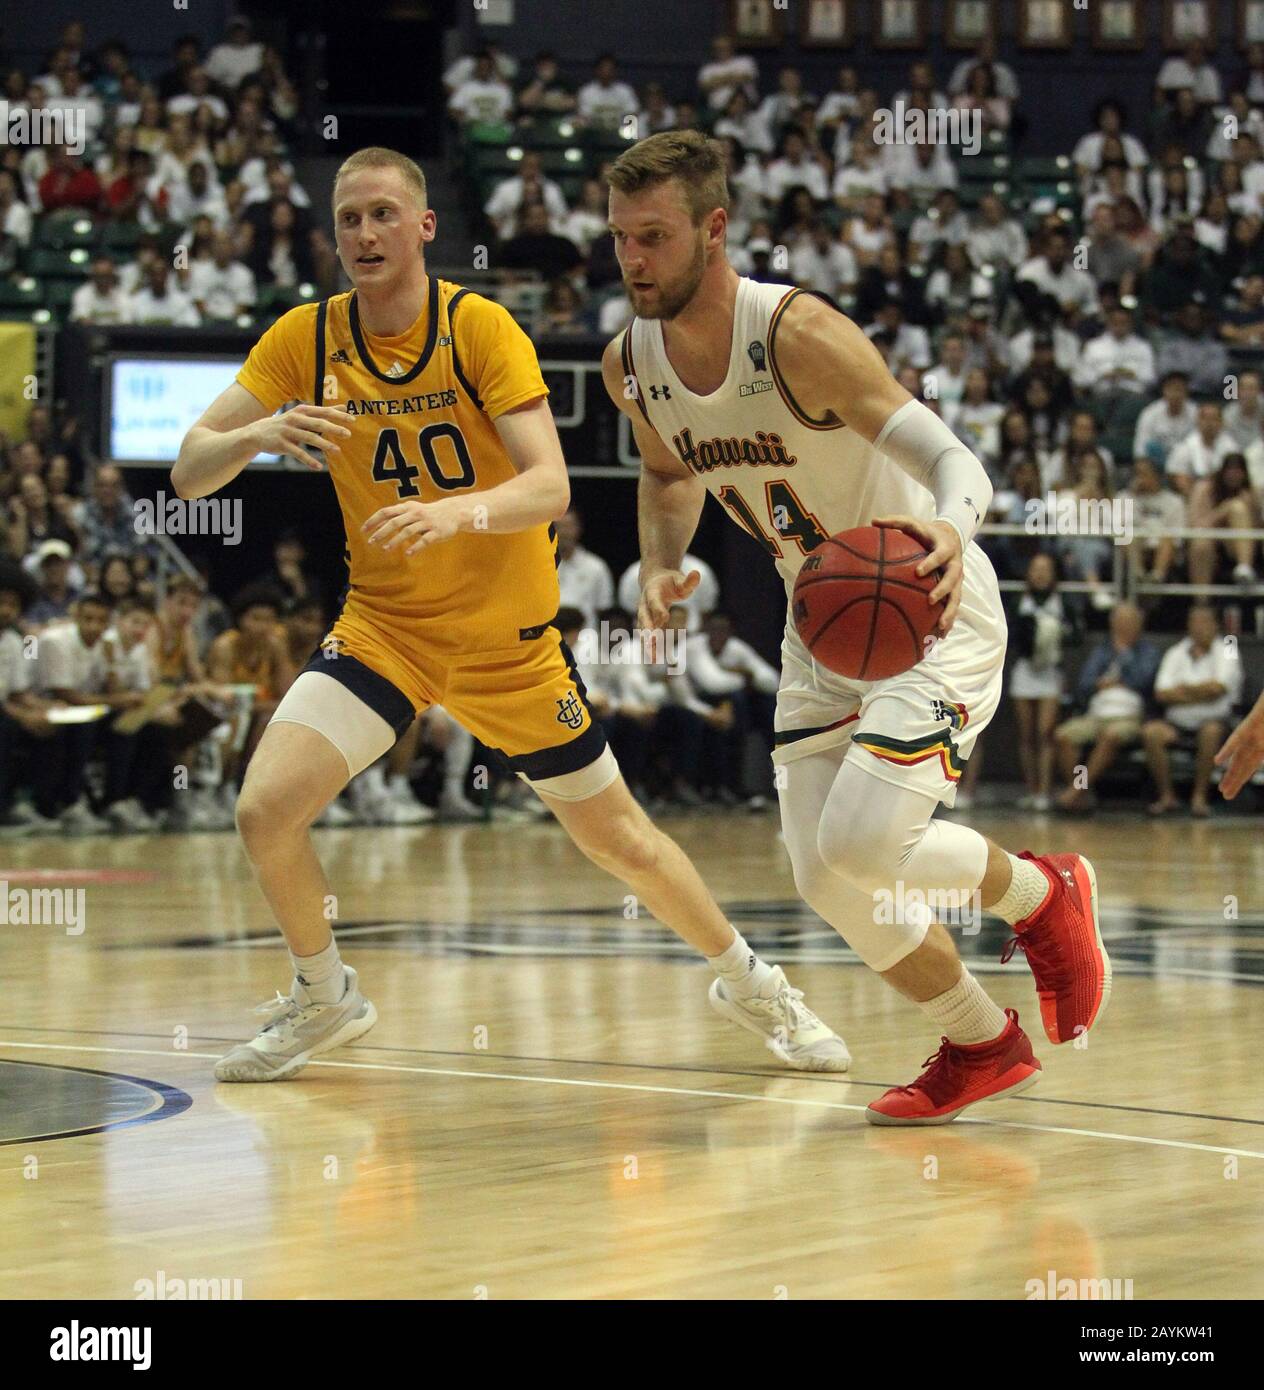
(1149, 1140)
(771, 1073)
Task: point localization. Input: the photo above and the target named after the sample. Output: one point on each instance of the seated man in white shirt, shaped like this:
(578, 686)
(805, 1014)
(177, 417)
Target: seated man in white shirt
(158, 301)
(484, 96)
(605, 100)
(1052, 276)
(196, 195)
(527, 185)
(1191, 70)
(824, 263)
(727, 72)
(101, 299)
(237, 57)
(723, 668)
(1157, 511)
(1117, 360)
(584, 578)
(1201, 452)
(1198, 684)
(137, 762)
(221, 287)
(1164, 423)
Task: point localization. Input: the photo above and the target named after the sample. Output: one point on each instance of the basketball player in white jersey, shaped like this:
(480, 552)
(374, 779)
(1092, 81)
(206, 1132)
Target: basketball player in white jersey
(774, 401)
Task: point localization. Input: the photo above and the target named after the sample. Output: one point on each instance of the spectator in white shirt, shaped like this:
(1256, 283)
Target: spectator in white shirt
(1191, 70)
(194, 196)
(15, 216)
(975, 419)
(727, 72)
(237, 57)
(590, 219)
(839, 104)
(527, 185)
(795, 167)
(605, 100)
(220, 286)
(101, 299)
(1223, 502)
(502, 64)
(1117, 360)
(725, 670)
(197, 94)
(784, 105)
(824, 263)
(484, 96)
(1108, 122)
(703, 599)
(585, 579)
(945, 382)
(1002, 73)
(921, 89)
(1164, 423)
(81, 103)
(1156, 512)
(995, 238)
(1198, 684)
(920, 170)
(744, 124)
(160, 302)
(1244, 417)
(1201, 452)
(861, 178)
(1054, 282)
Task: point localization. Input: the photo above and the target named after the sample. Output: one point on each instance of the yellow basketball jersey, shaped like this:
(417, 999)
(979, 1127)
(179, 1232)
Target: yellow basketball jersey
(420, 410)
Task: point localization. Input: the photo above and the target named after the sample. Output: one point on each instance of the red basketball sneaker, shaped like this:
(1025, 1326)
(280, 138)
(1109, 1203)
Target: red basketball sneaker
(959, 1075)
(1062, 940)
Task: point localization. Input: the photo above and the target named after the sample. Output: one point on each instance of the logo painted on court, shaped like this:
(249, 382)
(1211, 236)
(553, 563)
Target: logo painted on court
(569, 711)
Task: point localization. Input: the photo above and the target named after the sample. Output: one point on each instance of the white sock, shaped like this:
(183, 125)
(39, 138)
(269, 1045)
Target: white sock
(740, 968)
(1027, 890)
(323, 974)
(964, 1013)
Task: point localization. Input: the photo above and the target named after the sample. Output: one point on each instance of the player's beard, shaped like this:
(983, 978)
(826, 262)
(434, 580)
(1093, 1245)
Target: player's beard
(675, 295)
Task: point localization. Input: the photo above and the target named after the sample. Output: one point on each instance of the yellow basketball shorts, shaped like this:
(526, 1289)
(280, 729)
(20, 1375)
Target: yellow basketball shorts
(527, 703)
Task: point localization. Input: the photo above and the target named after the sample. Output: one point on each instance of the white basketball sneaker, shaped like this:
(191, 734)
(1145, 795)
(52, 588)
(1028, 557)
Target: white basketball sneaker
(297, 1030)
(790, 1030)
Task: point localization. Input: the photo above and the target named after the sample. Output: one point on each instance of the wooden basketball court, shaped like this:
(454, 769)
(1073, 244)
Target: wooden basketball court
(548, 1108)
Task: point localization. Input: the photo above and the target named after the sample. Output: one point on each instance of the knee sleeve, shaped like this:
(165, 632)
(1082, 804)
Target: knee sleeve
(875, 834)
(880, 939)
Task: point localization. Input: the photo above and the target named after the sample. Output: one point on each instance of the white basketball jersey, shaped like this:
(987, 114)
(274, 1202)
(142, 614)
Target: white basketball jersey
(789, 480)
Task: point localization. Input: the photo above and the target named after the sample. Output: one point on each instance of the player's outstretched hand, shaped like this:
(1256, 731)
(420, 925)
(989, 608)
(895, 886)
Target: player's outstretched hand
(659, 594)
(1243, 750)
(301, 428)
(944, 544)
(413, 525)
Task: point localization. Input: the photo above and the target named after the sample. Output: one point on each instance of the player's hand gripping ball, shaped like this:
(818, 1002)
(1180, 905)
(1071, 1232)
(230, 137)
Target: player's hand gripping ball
(861, 608)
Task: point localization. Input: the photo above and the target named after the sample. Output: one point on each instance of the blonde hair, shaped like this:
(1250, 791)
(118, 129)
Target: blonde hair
(378, 157)
(687, 155)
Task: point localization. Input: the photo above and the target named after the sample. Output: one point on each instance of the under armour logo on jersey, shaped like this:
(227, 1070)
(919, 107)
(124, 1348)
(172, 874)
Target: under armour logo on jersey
(666, 390)
(757, 355)
(340, 356)
(570, 712)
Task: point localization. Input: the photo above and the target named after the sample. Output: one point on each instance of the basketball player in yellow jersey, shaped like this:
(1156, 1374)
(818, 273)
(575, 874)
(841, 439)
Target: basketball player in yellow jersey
(428, 403)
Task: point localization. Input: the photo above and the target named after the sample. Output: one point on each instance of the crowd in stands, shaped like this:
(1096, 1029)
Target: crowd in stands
(1064, 331)
(1095, 331)
(184, 192)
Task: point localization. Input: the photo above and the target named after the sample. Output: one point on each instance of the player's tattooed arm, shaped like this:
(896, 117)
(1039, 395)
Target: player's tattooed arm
(669, 503)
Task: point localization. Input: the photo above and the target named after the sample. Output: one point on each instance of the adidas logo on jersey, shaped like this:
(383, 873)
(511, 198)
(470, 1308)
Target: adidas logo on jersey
(753, 388)
(395, 369)
(340, 356)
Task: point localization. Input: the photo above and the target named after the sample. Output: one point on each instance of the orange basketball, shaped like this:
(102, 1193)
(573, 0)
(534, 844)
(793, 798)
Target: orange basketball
(860, 608)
